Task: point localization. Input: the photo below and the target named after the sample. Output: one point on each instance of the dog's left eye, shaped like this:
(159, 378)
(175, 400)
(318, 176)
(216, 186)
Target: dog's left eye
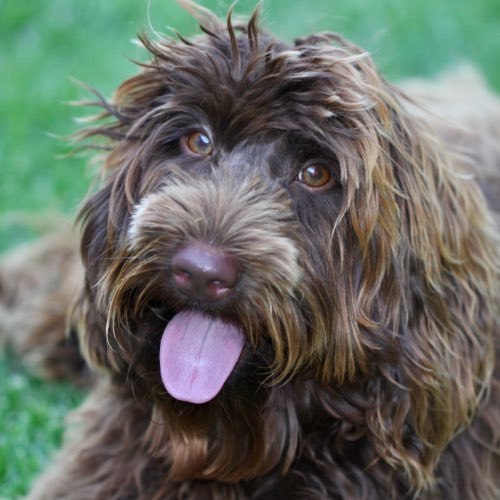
(198, 143)
(316, 177)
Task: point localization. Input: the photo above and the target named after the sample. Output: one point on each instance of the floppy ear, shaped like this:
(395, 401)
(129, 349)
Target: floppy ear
(416, 268)
(447, 315)
(85, 317)
(430, 270)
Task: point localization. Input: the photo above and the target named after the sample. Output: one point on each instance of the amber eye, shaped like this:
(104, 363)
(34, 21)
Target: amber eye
(198, 143)
(315, 177)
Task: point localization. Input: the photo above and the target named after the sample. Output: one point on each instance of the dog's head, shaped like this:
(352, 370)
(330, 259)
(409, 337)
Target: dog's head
(278, 247)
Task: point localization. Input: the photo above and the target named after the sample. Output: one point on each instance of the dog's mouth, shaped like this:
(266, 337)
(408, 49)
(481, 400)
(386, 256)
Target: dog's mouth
(198, 353)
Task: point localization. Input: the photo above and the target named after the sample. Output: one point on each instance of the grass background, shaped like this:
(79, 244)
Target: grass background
(44, 43)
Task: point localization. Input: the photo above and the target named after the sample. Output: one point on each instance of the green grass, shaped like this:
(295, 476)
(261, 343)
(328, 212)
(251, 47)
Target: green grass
(32, 416)
(44, 43)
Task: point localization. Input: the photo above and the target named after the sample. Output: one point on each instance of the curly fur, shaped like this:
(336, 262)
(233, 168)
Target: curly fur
(42, 278)
(371, 310)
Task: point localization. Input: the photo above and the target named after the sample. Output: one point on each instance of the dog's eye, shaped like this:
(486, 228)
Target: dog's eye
(316, 177)
(198, 143)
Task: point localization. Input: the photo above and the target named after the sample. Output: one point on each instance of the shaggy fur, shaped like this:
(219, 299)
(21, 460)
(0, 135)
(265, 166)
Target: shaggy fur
(37, 283)
(370, 304)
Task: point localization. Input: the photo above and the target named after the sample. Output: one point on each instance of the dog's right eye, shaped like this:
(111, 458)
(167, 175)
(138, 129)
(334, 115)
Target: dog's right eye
(316, 177)
(198, 143)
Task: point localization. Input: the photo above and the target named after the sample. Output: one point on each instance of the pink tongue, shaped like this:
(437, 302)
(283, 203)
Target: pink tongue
(197, 354)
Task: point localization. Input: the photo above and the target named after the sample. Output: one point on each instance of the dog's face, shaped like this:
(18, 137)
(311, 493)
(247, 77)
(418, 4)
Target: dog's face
(228, 208)
(264, 243)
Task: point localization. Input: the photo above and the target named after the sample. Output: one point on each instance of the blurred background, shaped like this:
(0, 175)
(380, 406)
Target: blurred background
(46, 45)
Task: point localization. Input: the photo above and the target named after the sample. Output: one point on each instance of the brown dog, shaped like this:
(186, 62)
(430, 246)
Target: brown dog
(291, 282)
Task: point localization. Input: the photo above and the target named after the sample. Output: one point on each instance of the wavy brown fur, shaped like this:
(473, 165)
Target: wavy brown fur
(38, 282)
(370, 309)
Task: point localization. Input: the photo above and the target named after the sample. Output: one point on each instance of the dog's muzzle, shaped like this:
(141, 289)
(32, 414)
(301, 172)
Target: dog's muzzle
(213, 248)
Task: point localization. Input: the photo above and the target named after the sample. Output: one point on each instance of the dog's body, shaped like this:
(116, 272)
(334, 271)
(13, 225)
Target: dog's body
(291, 286)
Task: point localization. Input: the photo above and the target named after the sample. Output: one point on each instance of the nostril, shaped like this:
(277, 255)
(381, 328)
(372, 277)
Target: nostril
(218, 288)
(204, 272)
(181, 277)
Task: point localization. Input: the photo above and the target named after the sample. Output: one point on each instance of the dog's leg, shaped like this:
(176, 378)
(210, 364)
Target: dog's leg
(37, 284)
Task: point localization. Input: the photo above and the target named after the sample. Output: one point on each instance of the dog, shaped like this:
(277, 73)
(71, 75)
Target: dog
(290, 280)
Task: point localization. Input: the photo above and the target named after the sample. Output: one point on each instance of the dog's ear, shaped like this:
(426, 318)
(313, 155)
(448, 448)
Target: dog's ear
(99, 236)
(427, 280)
(414, 271)
(447, 262)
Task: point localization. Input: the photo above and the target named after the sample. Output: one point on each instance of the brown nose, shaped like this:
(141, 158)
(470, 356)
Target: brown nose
(204, 272)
